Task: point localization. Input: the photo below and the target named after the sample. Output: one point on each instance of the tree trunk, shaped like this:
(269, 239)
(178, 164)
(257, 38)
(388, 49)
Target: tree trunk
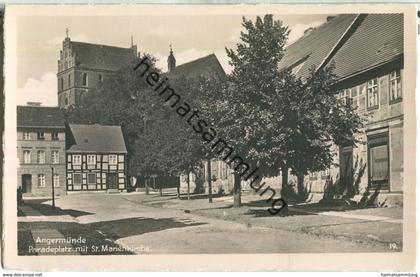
(178, 192)
(300, 184)
(160, 191)
(209, 180)
(284, 175)
(188, 185)
(237, 191)
(146, 186)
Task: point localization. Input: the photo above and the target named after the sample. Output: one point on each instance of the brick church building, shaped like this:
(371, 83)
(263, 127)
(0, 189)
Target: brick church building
(83, 66)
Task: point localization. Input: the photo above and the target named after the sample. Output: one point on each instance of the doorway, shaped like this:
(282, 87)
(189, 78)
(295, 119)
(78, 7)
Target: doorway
(346, 169)
(26, 183)
(112, 181)
(378, 155)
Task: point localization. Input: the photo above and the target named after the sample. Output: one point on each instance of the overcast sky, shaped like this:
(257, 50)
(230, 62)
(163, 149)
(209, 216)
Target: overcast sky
(39, 40)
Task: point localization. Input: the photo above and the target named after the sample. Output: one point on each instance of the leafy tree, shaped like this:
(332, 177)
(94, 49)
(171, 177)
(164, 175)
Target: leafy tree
(313, 119)
(243, 112)
(274, 120)
(157, 141)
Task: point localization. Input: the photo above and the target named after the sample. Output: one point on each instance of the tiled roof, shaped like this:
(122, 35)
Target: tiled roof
(36, 116)
(208, 66)
(313, 48)
(96, 138)
(354, 43)
(101, 56)
(378, 39)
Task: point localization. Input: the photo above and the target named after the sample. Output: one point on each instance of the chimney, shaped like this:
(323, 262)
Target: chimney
(34, 104)
(330, 17)
(307, 31)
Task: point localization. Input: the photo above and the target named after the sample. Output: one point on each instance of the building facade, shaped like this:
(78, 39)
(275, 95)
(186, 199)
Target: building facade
(84, 66)
(96, 158)
(222, 176)
(41, 151)
(367, 53)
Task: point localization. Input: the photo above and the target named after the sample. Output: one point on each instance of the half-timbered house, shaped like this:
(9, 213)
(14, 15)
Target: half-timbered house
(96, 158)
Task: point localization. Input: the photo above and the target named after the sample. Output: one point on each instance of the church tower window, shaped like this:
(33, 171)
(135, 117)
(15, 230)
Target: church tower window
(85, 79)
(61, 83)
(69, 83)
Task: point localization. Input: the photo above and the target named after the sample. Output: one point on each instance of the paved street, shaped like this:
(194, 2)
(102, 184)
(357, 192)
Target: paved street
(148, 224)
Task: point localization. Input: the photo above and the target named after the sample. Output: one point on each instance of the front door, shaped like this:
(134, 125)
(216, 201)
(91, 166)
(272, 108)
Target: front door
(346, 169)
(112, 181)
(378, 161)
(26, 183)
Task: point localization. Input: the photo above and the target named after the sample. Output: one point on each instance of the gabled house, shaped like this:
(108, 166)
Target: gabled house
(96, 158)
(41, 150)
(367, 52)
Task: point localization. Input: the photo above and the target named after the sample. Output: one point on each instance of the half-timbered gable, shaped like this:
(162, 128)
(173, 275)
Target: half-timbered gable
(96, 158)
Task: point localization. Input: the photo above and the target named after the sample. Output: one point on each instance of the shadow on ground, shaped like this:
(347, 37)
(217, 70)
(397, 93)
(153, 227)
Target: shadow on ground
(48, 210)
(199, 196)
(121, 228)
(100, 234)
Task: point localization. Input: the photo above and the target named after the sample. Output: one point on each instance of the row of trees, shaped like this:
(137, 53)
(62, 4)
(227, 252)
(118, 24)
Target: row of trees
(272, 119)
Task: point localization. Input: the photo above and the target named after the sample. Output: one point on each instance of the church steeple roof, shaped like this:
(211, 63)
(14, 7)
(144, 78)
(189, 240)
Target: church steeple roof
(171, 60)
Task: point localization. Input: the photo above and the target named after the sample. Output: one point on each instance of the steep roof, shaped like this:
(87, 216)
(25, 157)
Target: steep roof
(102, 56)
(96, 138)
(208, 66)
(378, 39)
(354, 43)
(313, 48)
(37, 116)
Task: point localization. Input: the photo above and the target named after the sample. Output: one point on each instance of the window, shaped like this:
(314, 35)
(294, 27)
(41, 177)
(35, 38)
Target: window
(66, 100)
(91, 178)
(69, 80)
(313, 176)
(55, 159)
(224, 171)
(112, 159)
(85, 79)
(77, 160)
(26, 157)
(56, 180)
(41, 157)
(41, 180)
(61, 84)
(26, 135)
(372, 94)
(100, 78)
(325, 173)
(77, 178)
(214, 170)
(395, 91)
(345, 96)
(54, 136)
(40, 135)
(91, 159)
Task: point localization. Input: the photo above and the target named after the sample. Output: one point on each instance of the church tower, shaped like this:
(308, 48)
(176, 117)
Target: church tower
(82, 67)
(171, 61)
